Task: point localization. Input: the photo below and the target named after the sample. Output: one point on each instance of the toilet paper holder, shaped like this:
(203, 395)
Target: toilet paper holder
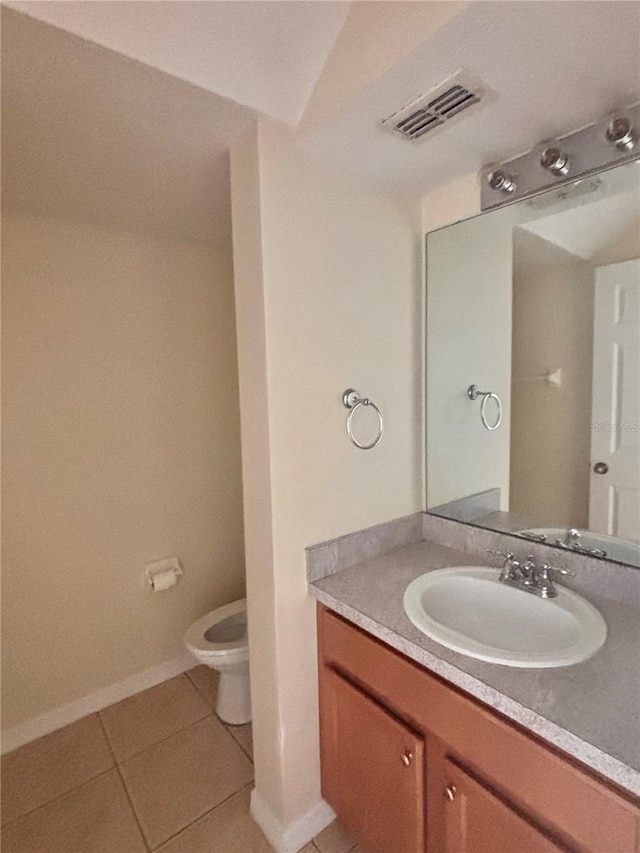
(163, 574)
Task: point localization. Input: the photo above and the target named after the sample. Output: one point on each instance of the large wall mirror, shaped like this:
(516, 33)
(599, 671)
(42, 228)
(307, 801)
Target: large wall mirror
(538, 303)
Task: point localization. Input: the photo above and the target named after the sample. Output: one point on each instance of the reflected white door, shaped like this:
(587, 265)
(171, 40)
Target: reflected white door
(614, 504)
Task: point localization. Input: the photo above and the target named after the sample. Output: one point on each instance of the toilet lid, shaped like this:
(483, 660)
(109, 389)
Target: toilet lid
(221, 629)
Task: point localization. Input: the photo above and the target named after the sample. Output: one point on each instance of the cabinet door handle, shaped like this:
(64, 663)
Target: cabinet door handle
(407, 758)
(450, 792)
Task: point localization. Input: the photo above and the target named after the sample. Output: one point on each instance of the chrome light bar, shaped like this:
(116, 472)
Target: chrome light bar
(575, 155)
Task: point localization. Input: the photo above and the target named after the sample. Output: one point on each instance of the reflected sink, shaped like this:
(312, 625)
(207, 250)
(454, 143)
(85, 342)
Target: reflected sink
(470, 611)
(621, 550)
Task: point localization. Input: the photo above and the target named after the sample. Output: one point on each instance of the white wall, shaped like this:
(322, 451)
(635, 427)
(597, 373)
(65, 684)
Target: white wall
(120, 445)
(256, 466)
(328, 271)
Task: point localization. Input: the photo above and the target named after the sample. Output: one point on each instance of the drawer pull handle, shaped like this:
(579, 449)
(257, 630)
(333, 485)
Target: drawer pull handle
(407, 758)
(450, 792)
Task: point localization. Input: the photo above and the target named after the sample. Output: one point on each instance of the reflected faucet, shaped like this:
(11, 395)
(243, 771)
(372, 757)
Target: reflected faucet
(572, 538)
(573, 542)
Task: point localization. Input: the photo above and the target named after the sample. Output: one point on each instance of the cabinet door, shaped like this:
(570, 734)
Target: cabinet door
(372, 769)
(477, 821)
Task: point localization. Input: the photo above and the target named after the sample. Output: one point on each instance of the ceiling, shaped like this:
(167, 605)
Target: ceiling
(555, 67)
(89, 135)
(126, 122)
(263, 55)
(604, 231)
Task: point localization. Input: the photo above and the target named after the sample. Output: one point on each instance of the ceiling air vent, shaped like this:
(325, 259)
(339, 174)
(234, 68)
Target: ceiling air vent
(456, 97)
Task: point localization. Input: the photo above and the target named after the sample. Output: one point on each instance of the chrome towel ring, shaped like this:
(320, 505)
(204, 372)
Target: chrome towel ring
(473, 393)
(352, 400)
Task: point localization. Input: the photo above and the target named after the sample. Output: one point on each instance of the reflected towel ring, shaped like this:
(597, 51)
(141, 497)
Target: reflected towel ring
(352, 400)
(473, 393)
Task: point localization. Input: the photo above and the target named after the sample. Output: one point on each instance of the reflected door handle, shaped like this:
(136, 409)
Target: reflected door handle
(601, 468)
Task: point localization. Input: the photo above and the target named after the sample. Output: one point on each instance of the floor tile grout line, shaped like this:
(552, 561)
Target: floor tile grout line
(163, 739)
(117, 765)
(151, 746)
(227, 726)
(202, 816)
(187, 673)
(177, 731)
(69, 790)
(126, 790)
(230, 728)
(59, 796)
(195, 684)
(315, 846)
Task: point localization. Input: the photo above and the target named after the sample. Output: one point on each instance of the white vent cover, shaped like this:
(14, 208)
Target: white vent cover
(456, 97)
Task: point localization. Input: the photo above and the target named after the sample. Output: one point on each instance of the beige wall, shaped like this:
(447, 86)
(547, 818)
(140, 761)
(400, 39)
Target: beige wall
(332, 270)
(452, 202)
(553, 298)
(120, 445)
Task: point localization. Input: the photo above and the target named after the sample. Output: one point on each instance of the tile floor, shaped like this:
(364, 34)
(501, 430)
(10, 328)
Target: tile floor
(158, 771)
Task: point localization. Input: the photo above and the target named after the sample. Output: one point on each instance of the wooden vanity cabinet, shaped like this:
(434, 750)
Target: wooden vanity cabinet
(410, 763)
(377, 780)
(478, 821)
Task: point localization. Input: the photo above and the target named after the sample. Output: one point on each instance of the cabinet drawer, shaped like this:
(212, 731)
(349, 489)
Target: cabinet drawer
(566, 798)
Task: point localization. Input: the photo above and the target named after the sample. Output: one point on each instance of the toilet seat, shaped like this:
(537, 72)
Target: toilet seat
(233, 652)
(219, 640)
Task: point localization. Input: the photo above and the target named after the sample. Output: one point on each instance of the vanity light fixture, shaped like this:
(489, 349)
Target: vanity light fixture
(554, 160)
(559, 161)
(620, 133)
(502, 181)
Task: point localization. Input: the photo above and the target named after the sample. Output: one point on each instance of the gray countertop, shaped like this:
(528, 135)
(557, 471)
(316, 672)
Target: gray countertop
(590, 710)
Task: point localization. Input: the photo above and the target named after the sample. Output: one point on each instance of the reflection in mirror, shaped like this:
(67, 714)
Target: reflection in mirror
(538, 303)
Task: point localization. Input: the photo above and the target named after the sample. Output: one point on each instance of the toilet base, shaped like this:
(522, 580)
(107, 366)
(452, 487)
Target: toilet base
(234, 697)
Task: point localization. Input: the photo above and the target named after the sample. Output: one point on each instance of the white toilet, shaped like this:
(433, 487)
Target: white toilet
(219, 640)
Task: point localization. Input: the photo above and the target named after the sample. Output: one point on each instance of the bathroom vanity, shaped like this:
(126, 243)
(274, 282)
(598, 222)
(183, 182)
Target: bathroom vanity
(411, 764)
(425, 749)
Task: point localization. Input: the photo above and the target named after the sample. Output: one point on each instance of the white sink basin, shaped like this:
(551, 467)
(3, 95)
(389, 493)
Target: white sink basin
(470, 611)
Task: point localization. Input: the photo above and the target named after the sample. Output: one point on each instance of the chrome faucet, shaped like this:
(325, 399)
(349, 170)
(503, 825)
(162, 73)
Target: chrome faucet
(545, 587)
(528, 575)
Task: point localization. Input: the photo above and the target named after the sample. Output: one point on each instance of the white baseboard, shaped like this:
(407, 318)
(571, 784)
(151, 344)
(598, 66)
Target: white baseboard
(69, 713)
(292, 837)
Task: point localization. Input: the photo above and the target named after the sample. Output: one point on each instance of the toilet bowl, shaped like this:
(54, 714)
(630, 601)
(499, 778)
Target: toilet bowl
(219, 640)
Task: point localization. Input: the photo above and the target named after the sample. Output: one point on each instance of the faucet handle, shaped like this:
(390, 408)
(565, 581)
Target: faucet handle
(547, 567)
(510, 564)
